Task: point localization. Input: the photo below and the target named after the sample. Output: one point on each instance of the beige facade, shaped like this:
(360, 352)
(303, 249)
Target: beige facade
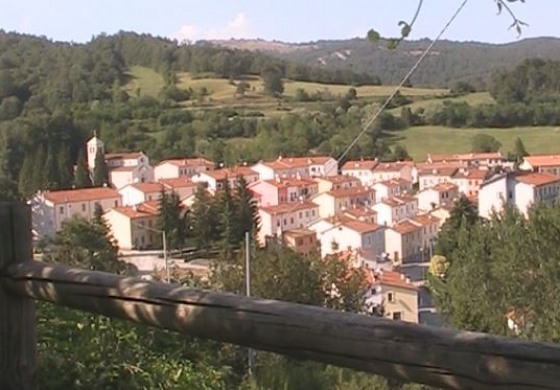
(185, 167)
(335, 202)
(132, 226)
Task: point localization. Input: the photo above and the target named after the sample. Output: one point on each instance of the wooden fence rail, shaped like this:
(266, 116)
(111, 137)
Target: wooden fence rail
(443, 358)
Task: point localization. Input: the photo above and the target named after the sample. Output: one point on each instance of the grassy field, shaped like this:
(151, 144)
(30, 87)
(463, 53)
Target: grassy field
(422, 140)
(145, 80)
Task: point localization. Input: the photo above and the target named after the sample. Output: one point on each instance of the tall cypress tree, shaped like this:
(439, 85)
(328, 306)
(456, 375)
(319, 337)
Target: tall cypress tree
(65, 177)
(100, 173)
(227, 221)
(51, 178)
(247, 212)
(25, 184)
(202, 220)
(82, 177)
(8, 186)
(39, 169)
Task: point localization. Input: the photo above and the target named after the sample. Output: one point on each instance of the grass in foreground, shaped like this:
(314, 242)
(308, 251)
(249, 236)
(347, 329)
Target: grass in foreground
(422, 140)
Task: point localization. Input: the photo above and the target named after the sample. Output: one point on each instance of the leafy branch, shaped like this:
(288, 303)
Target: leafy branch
(406, 27)
(517, 23)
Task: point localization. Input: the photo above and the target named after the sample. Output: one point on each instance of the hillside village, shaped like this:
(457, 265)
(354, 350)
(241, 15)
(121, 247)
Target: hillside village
(382, 216)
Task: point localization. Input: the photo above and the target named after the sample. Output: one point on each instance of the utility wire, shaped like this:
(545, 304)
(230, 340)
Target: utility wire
(401, 84)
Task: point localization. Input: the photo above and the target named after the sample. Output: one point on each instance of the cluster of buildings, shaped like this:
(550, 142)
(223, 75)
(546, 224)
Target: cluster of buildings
(382, 215)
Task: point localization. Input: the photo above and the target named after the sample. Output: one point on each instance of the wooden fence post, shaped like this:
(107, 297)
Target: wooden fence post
(17, 314)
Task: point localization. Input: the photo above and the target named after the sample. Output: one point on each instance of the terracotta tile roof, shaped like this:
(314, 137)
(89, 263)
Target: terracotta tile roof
(360, 165)
(180, 182)
(464, 157)
(537, 179)
(289, 207)
(348, 192)
(358, 212)
(390, 278)
(359, 226)
(550, 160)
(425, 166)
(123, 156)
(82, 195)
(472, 174)
(398, 182)
(425, 220)
(136, 212)
(441, 171)
(231, 173)
(291, 182)
(188, 162)
(392, 166)
(148, 187)
(405, 227)
(296, 162)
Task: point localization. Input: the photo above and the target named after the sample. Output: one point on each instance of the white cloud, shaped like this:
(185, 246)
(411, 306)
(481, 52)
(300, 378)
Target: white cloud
(187, 32)
(238, 27)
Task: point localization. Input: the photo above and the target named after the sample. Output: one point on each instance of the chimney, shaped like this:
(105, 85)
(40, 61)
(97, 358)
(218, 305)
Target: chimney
(403, 277)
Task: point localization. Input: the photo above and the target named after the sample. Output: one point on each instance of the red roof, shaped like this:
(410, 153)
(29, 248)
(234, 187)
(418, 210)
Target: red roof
(351, 191)
(82, 195)
(472, 174)
(405, 227)
(179, 182)
(136, 212)
(537, 179)
(338, 179)
(232, 173)
(390, 278)
(443, 187)
(148, 186)
(396, 182)
(360, 227)
(447, 171)
(395, 166)
(551, 160)
(289, 207)
(358, 212)
(425, 220)
(360, 165)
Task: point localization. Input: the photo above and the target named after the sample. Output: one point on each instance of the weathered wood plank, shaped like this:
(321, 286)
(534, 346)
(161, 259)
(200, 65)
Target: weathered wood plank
(17, 313)
(454, 360)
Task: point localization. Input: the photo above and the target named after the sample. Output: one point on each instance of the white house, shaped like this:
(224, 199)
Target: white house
(441, 194)
(285, 167)
(334, 202)
(51, 209)
(393, 210)
(521, 189)
(183, 167)
(404, 241)
(346, 234)
(486, 160)
(391, 188)
(430, 176)
(372, 171)
(125, 175)
(133, 194)
(216, 180)
(288, 216)
(134, 227)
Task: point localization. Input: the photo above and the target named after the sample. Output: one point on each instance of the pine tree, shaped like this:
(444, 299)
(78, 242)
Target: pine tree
(8, 186)
(39, 169)
(227, 221)
(171, 219)
(81, 178)
(25, 183)
(247, 212)
(51, 176)
(65, 177)
(100, 173)
(202, 220)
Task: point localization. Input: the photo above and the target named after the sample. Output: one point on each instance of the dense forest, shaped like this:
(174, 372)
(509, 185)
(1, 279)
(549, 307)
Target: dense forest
(450, 61)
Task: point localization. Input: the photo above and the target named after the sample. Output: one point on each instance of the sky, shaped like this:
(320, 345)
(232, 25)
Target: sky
(282, 20)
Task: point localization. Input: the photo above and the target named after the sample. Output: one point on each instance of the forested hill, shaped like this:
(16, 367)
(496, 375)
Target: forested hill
(449, 62)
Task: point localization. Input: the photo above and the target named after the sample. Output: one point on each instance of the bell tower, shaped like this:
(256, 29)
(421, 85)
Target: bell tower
(93, 145)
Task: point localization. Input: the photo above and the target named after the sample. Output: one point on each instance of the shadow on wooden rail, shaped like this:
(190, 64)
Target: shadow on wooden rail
(434, 356)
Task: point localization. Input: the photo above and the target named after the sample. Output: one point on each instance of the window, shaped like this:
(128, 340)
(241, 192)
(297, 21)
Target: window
(84, 207)
(312, 213)
(391, 297)
(61, 209)
(285, 221)
(300, 215)
(116, 203)
(292, 220)
(397, 316)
